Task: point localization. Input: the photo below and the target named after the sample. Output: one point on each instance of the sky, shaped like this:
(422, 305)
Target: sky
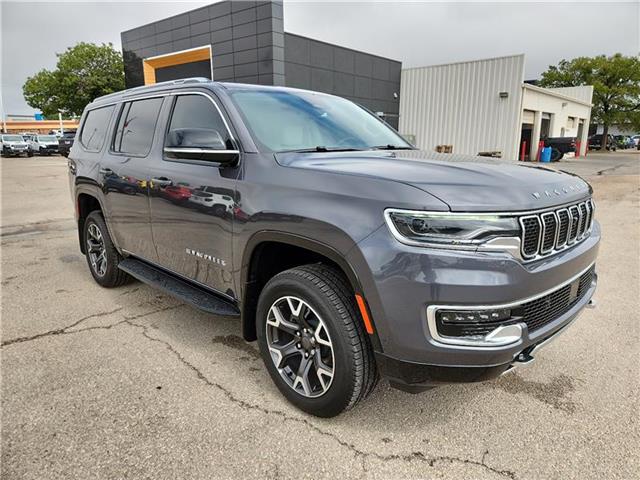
(417, 33)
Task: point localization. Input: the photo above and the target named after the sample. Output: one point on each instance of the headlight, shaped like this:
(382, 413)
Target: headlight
(449, 229)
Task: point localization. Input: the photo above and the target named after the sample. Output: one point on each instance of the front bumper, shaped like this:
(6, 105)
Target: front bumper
(401, 282)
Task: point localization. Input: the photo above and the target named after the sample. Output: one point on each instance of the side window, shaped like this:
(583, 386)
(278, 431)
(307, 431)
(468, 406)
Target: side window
(94, 129)
(196, 123)
(136, 124)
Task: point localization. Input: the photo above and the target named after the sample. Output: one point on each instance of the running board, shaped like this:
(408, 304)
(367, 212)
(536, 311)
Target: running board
(181, 289)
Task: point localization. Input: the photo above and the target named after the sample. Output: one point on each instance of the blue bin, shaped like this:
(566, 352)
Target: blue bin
(545, 156)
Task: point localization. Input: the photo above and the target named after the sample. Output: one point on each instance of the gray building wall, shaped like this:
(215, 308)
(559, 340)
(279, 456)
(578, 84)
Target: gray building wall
(367, 79)
(246, 38)
(249, 46)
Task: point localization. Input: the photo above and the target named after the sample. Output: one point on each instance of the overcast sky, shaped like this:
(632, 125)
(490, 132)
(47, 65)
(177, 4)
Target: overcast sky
(417, 33)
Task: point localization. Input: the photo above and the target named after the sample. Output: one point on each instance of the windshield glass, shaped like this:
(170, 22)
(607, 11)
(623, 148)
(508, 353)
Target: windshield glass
(298, 120)
(12, 138)
(47, 138)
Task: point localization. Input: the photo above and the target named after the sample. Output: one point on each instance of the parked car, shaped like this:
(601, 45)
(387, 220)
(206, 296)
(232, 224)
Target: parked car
(66, 142)
(636, 140)
(13, 145)
(177, 193)
(357, 256)
(595, 142)
(43, 144)
(560, 146)
(209, 197)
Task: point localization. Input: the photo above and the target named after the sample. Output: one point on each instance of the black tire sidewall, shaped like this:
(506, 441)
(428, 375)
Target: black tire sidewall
(336, 399)
(110, 277)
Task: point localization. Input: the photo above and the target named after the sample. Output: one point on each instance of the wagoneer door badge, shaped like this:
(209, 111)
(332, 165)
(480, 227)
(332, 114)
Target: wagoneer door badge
(206, 256)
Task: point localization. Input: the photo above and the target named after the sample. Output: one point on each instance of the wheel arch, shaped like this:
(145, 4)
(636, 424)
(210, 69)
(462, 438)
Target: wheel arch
(88, 200)
(252, 283)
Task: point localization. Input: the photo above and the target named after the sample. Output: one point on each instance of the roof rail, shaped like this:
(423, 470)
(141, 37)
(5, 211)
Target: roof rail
(153, 86)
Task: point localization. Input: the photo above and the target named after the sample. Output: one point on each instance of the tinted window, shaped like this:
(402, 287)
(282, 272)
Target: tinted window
(137, 122)
(193, 122)
(291, 120)
(94, 129)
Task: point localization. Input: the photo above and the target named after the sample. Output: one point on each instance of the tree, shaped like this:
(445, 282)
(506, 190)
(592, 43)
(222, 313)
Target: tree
(616, 86)
(83, 73)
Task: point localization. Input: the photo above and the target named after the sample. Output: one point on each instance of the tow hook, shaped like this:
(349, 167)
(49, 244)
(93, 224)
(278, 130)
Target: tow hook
(524, 358)
(591, 304)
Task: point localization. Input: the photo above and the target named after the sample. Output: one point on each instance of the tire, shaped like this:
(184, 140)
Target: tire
(29, 154)
(105, 272)
(327, 299)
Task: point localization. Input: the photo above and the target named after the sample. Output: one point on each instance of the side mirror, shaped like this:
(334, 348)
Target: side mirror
(200, 144)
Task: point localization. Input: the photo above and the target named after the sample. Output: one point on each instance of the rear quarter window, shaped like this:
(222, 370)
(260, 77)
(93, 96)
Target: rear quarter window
(94, 129)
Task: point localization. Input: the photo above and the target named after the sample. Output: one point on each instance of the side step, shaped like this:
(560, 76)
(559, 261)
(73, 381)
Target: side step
(181, 289)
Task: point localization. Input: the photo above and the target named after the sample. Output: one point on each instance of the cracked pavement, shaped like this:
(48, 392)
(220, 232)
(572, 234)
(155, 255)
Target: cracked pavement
(130, 383)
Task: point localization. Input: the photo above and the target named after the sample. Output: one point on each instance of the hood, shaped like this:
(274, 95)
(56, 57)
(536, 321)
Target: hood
(464, 183)
(14, 144)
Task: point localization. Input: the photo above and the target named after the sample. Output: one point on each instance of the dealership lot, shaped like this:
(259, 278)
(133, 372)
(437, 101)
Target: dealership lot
(129, 383)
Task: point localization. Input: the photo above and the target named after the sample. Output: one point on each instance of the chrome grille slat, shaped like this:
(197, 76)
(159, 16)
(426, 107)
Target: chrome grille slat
(550, 231)
(563, 228)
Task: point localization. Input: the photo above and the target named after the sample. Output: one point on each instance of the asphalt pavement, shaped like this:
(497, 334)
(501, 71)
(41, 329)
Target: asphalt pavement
(130, 383)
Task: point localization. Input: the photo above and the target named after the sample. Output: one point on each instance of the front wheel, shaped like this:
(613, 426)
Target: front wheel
(313, 342)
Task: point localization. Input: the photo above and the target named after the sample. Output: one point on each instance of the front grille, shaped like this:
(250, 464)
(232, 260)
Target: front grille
(539, 312)
(553, 230)
(535, 313)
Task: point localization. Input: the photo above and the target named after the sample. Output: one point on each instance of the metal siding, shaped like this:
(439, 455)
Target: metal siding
(459, 105)
(583, 93)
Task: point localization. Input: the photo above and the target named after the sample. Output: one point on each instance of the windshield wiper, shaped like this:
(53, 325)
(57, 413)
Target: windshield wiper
(321, 148)
(391, 147)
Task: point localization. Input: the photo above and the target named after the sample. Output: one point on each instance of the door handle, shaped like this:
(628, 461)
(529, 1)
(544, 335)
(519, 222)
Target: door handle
(161, 182)
(105, 171)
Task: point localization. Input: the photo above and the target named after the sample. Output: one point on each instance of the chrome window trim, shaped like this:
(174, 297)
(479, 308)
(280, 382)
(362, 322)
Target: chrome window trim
(459, 342)
(198, 150)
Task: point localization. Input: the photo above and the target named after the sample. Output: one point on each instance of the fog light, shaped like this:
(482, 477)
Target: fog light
(473, 316)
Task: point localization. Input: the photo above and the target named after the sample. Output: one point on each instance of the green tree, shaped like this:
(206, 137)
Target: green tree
(83, 73)
(616, 86)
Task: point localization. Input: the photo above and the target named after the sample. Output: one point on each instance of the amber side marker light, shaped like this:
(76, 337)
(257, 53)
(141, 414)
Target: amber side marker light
(365, 314)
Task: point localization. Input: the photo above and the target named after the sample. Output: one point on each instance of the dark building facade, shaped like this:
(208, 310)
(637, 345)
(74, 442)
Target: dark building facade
(244, 41)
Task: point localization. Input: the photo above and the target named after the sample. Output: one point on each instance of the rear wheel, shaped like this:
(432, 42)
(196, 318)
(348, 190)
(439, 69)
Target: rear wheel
(312, 340)
(102, 256)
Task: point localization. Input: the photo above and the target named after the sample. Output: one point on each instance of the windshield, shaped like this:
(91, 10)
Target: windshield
(47, 138)
(12, 138)
(299, 120)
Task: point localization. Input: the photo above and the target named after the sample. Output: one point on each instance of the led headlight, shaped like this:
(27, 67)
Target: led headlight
(449, 229)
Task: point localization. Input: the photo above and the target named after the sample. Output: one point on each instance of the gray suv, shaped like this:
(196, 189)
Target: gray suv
(345, 252)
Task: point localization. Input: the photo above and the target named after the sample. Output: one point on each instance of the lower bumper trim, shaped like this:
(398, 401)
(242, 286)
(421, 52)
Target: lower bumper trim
(401, 373)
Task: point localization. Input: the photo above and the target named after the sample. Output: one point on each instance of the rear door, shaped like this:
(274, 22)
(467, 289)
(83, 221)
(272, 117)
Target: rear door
(193, 230)
(123, 175)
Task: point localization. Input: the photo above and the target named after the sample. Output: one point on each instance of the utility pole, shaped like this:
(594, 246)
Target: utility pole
(4, 121)
(60, 119)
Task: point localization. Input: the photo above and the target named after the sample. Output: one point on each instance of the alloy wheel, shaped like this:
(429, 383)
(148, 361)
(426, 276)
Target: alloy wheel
(300, 346)
(97, 250)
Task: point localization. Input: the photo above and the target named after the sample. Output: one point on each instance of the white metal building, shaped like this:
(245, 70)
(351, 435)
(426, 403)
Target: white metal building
(485, 106)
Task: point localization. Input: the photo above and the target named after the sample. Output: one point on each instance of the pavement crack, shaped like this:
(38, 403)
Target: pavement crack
(412, 457)
(61, 331)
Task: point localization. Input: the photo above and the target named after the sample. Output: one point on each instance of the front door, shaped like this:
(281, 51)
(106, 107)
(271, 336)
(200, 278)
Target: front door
(192, 201)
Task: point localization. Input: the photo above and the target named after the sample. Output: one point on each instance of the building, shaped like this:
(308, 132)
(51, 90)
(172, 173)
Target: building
(37, 126)
(484, 106)
(245, 41)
